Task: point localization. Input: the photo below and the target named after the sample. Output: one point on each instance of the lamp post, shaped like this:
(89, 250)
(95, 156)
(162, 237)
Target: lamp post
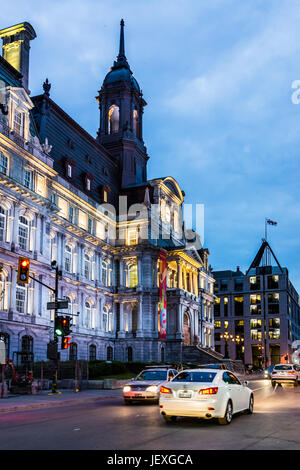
(226, 337)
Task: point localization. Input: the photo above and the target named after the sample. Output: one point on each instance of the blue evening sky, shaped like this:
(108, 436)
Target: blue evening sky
(217, 76)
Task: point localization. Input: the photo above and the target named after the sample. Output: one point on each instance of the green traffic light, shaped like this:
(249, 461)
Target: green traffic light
(58, 332)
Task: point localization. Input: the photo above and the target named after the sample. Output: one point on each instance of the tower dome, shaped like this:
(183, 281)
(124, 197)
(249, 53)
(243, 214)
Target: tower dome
(120, 71)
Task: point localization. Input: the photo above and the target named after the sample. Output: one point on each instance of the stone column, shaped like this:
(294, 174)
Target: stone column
(121, 333)
(179, 321)
(139, 332)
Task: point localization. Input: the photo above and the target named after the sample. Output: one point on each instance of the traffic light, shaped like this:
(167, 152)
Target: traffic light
(58, 328)
(66, 325)
(62, 326)
(23, 270)
(65, 342)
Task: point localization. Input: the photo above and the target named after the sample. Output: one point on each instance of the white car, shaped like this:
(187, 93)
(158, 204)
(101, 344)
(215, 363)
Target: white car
(145, 387)
(208, 393)
(285, 373)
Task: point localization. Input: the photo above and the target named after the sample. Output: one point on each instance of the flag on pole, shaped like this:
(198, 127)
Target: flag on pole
(271, 222)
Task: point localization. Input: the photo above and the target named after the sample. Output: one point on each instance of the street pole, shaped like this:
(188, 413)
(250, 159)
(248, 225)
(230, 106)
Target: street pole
(55, 361)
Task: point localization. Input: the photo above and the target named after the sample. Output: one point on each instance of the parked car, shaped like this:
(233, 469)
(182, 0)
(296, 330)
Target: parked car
(285, 373)
(145, 387)
(209, 393)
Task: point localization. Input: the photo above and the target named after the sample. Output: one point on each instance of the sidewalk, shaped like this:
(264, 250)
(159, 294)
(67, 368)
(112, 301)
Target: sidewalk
(43, 399)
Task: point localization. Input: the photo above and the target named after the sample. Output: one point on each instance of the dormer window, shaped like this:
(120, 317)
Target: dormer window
(69, 170)
(105, 193)
(19, 123)
(88, 184)
(136, 122)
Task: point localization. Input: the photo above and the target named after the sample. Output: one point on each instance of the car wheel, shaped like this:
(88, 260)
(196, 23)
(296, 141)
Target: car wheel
(273, 384)
(251, 405)
(296, 383)
(228, 414)
(169, 419)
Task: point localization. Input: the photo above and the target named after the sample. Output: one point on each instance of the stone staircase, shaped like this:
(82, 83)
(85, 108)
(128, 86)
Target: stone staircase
(197, 355)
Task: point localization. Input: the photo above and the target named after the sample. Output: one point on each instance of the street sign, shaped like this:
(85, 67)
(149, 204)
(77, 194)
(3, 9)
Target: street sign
(61, 304)
(2, 352)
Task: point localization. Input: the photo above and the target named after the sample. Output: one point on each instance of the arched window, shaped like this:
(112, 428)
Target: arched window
(136, 122)
(68, 259)
(92, 352)
(73, 352)
(2, 224)
(113, 119)
(27, 348)
(23, 233)
(129, 354)
(109, 353)
(87, 267)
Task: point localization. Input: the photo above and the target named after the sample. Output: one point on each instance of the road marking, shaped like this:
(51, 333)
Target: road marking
(260, 388)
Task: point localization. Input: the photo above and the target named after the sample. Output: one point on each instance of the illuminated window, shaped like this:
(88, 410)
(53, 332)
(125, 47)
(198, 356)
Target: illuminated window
(132, 236)
(225, 306)
(136, 122)
(21, 299)
(68, 259)
(28, 179)
(2, 224)
(88, 184)
(113, 119)
(19, 123)
(105, 195)
(87, 267)
(254, 282)
(23, 233)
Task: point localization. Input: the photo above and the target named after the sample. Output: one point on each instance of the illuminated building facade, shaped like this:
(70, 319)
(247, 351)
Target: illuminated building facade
(86, 203)
(257, 316)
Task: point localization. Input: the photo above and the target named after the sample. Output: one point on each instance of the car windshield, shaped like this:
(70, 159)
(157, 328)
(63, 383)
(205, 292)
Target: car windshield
(283, 367)
(152, 375)
(195, 377)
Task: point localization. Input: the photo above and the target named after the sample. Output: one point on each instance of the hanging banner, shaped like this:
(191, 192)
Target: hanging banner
(162, 304)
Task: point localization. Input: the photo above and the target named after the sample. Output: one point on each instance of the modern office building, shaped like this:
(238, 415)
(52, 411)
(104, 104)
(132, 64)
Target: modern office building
(257, 312)
(138, 286)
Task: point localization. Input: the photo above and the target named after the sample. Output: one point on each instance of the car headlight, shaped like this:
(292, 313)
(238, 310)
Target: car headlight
(127, 388)
(152, 388)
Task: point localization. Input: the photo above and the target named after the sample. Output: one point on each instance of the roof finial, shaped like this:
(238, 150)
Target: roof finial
(121, 57)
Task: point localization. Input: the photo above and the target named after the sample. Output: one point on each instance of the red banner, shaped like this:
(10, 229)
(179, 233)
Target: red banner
(162, 304)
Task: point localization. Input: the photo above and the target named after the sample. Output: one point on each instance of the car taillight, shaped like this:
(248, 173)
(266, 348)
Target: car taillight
(292, 372)
(274, 373)
(165, 390)
(209, 391)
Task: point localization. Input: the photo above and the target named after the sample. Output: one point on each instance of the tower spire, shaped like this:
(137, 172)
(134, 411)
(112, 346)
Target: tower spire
(121, 59)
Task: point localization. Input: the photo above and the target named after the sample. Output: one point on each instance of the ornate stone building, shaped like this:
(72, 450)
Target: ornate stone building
(86, 203)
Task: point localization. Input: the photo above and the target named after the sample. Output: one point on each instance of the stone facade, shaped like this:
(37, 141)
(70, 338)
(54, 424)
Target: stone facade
(86, 203)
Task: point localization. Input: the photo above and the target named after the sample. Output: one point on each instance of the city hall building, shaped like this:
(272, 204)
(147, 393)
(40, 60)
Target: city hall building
(138, 284)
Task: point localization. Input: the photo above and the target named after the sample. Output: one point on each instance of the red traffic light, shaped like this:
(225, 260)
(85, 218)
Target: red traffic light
(23, 270)
(65, 342)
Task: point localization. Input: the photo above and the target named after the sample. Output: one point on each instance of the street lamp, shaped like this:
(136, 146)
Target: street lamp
(226, 337)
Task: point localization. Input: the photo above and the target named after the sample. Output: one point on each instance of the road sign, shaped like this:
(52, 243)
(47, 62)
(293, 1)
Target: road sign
(61, 304)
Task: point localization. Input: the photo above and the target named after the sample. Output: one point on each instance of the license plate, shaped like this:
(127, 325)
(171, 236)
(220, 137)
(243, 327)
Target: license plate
(185, 395)
(138, 395)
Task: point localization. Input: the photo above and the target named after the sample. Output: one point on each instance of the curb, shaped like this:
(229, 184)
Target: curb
(49, 404)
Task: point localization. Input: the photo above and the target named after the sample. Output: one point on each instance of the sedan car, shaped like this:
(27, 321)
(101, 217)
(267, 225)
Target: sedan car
(208, 393)
(285, 373)
(145, 387)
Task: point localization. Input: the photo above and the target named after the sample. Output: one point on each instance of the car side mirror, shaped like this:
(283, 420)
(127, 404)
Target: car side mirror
(245, 383)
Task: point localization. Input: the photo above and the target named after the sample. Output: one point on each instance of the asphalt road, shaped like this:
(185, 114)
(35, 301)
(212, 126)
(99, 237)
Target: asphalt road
(111, 425)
